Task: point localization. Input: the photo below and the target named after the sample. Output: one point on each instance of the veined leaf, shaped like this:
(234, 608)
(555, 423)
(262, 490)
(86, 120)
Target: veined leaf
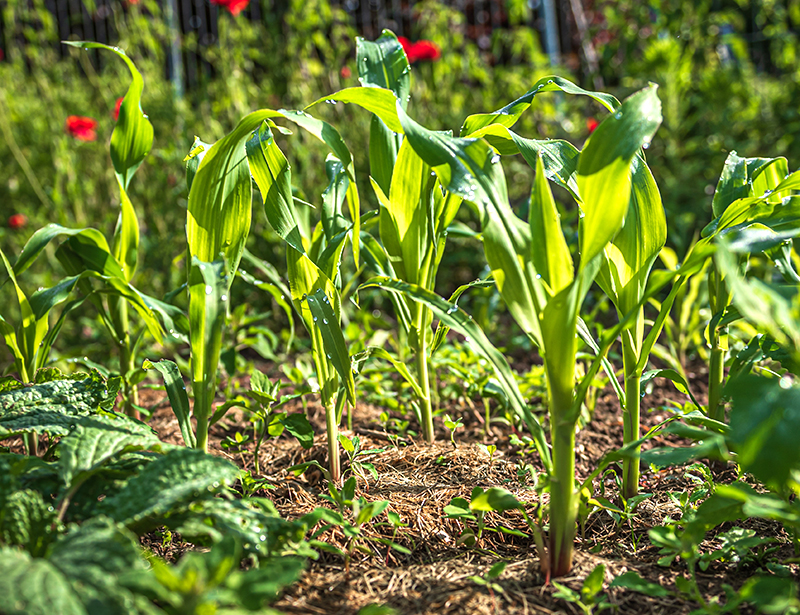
(604, 169)
(325, 319)
(96, 439)
(166, 484)
(178, 398)
(34, 587)
(508, 115)
(93, 557)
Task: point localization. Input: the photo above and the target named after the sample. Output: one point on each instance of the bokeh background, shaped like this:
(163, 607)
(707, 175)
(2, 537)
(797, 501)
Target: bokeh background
(728, 72)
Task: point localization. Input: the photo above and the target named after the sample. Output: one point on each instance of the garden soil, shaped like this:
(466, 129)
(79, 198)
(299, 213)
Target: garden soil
(420, 480)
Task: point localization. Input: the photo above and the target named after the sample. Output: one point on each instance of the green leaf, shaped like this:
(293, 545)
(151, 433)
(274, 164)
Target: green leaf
(593, 584)
(28, 521)
(168, 483)
(549, 252)
(208, 288)
(297, 424)
(631, 580)
(52, 407)
(631, 254)
(495, 499)
(508, 115)
(771, 595)
(460, 321)
(604, 169)
(380, 101)
(764, 418)
(383, 64)
(96, 439)
(34, 587)
(178, 398)
(400, 367)
(133, 134)
(92, 557)
(327, 322)
(676, 379)
(252, 521)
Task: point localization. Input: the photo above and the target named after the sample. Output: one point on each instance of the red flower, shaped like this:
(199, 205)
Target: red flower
(345, 72)
(82, 128)
(591, 124)
(17, 221)
(421, 50)
(133, 1)
(2, 55)
(116, 109)
(234, 6)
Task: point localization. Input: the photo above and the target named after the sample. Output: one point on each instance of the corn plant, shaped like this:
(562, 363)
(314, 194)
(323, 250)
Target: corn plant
(87, 255)
(531, 263)
(742, 180)
(414, 211)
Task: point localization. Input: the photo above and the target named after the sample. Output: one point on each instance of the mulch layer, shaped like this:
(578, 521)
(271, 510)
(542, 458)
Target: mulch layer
(419, 480)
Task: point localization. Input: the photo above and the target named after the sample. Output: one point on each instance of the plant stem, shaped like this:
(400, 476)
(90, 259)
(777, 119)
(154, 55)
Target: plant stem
(716, 374)
(333, 441)
(426, 411)
(563, 497)
(118, 309)
(631, 412)
(719, 299)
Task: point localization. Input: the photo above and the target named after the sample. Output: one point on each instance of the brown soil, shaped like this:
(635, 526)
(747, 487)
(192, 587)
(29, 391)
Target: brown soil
(420, 480)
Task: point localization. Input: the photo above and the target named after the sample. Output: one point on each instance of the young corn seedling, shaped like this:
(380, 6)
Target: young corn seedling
(531, 263)
(742, 179)
(87, 255)
(435, 198)
(218, 223)
(414, 211)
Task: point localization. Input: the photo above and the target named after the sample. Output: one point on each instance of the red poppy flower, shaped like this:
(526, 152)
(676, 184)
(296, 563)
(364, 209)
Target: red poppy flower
(17, 221)
(345, 72)
(591, 124)
(116, 109)
(234, 6)
(420, 51)
(82, 128)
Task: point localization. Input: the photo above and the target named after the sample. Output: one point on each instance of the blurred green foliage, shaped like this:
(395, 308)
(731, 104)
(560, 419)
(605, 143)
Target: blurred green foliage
(727, 71)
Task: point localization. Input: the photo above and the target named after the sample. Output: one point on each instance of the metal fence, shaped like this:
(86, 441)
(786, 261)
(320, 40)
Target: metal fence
(93, 21)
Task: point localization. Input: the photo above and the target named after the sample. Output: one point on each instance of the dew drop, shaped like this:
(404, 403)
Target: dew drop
(618, 115)
(324, 321)
(495, 158)
(209, 290)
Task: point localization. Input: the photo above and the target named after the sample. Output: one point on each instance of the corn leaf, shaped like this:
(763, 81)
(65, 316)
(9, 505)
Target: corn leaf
(508, 115)
(178, 398)
(604, 169)
(326, 321)
(458, 320)
(383, 64)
